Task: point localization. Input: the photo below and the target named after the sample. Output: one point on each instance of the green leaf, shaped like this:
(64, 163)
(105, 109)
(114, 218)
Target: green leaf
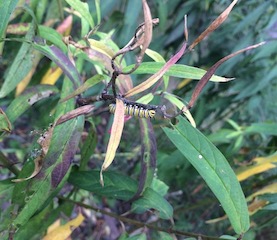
(177, 70)
(159, 186)
(223, 136)
(88, 146)
(121, 187)
(56, 165)
(252, 17)
(153, 200)
(214, 169)
(141, 236)
(52, 36)
(38, 225)
(6, 9)
(262, 128)
(20, 67)
(6, 189)
(149, 155)
(98, 11)
(116, 185)
(30, 96)
(5, 124)
(131, 14)
(83, 9)
(87, 84)
(167, 236)
(271, 207)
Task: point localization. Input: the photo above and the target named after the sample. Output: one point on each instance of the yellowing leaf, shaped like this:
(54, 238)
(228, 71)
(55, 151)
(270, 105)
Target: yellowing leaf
(25, 81)
(101, 47)
(64, 231)
(215, 220)
(272, 188)
(155, 55)
(262, 164)
(184, 83)
(51, 76)
(256, 206)
(5, 124)
(116, 132)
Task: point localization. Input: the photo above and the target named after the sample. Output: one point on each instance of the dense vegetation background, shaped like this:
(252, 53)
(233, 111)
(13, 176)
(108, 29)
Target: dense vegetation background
(238, 116)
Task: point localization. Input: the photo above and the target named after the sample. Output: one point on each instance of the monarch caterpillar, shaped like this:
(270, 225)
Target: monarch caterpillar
(136, 110)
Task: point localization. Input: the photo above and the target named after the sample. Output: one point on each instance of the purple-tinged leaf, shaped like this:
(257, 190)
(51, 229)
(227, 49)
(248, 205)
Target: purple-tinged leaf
(204, 80)
(58, 57)
(148, 156)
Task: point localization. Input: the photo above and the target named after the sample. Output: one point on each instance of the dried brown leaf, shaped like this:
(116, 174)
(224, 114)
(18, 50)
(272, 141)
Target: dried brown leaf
(204, 80)
(75, 113)
(214, 25)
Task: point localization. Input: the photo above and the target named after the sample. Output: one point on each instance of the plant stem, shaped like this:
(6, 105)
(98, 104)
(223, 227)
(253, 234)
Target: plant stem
(7, 164)
(142, 224)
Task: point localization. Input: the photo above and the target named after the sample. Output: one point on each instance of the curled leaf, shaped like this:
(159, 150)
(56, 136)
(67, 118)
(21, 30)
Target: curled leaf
(44, 142)
(116, 132)
(38, 165)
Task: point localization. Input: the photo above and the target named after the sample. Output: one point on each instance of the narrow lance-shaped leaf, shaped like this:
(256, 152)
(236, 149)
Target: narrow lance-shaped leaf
(148, 156)
(29, 97)
(83, 9)
(204, 80)
(75, 113)
(214, 169)
(87, 84)
(148, 29)
(20, 66)
(271, 188)
(6, 10)
(262, 164)
(176, 70)
(214, 25)
(116, 132)
(153, 79)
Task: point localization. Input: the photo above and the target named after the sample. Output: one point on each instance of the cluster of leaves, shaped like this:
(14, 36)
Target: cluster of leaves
(38, 92)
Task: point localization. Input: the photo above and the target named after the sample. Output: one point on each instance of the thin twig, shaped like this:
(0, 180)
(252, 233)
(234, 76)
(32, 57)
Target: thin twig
(142, 224)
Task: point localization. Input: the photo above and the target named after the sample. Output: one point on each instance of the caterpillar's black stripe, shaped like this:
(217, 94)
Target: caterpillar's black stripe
(137, 110)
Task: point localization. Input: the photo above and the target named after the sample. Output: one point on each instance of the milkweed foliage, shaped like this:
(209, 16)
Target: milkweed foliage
(71, 70)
